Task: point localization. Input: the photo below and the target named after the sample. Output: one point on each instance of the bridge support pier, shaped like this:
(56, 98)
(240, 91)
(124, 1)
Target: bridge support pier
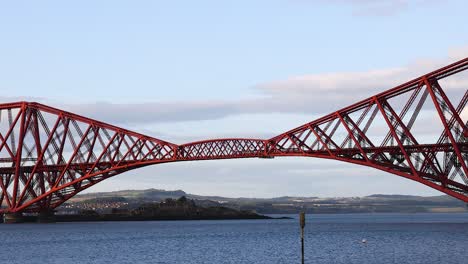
(46, 217)
(13, 218)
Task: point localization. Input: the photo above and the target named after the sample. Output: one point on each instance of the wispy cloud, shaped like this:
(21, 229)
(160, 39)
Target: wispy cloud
(377, 8)
(313, 94)
(464, 115)
(310, 94)
(332, 91)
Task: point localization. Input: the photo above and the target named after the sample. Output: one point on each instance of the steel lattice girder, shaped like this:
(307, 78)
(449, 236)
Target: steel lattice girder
(48, 155)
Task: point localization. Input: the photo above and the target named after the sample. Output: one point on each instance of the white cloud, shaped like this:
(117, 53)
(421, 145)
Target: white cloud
(374, 8)
(311, 94)
(464, 114)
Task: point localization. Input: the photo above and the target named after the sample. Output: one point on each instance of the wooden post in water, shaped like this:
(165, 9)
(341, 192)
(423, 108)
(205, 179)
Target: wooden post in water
(302, 223)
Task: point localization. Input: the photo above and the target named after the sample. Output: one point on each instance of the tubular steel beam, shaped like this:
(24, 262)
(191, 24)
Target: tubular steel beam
(48, 155)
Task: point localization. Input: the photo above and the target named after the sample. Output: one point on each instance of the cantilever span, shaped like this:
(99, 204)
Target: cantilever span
(48, 155)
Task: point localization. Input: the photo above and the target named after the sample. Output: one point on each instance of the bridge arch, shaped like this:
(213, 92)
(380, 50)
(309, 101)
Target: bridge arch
(48, 155)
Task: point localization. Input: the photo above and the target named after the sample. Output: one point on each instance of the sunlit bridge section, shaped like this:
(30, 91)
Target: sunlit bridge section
(48, 155)
(223, 149)
(417, 130)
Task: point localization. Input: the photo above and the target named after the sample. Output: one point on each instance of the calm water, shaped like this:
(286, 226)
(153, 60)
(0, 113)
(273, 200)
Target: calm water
(392, 238)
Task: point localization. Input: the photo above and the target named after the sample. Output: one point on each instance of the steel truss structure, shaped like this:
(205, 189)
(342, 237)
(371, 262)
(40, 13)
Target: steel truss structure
(48, 155)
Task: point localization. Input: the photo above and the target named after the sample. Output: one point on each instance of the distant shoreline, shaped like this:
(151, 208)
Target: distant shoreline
(169, 209)
(117, 218)
(376, 203)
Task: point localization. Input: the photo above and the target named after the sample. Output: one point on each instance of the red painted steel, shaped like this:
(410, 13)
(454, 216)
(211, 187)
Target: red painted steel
(48, 155)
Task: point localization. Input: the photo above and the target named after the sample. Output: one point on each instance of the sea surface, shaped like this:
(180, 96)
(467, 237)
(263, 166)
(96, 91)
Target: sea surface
(391, 238)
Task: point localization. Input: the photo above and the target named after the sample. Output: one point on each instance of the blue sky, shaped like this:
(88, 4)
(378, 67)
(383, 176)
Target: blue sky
(201, 69)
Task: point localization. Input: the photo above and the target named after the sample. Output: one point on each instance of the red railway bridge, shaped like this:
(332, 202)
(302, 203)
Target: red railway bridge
(48, 155)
